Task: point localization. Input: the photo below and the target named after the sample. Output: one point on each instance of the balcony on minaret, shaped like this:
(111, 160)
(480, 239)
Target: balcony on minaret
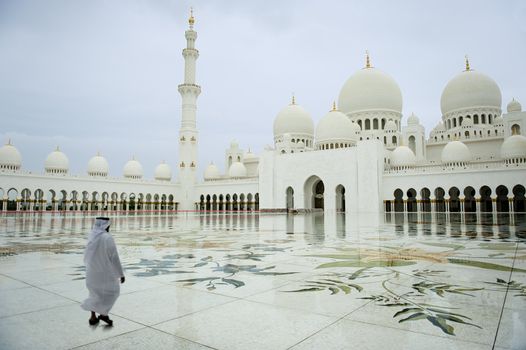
(189, 89)
(189, 52)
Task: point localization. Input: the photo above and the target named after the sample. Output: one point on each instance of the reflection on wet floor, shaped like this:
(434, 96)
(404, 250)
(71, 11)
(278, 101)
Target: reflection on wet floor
(449, 276)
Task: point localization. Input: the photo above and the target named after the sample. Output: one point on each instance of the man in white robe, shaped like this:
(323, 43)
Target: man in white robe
(103, 272)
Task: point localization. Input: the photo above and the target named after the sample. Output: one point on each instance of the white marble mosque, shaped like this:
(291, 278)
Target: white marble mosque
(361, 157)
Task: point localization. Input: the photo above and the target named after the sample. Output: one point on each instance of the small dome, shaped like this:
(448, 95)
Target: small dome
(403, 156)
(467, 122)
(293, 119)
(413, 120)
(514, 106)
(370, 89)
(390, 126)
(211, 172)
(98, 166)
(470, 89)
(237, 169)
(163, 172)
(132, 169)
(10, 157)
(440, 127)
(513, 147)
(455, 152)
(335, 126)
(56, 162)
(249, 156)
(234, 144)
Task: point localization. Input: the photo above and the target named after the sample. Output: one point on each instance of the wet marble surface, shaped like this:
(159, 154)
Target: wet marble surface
(255, 281)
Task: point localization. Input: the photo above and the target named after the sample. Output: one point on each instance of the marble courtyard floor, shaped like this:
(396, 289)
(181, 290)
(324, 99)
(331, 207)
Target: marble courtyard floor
(250, 281)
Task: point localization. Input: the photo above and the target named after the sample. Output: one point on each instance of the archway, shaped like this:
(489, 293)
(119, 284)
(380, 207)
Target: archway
(290, 198)
(503, 205)
(519, 200)
(314, 190)
(411, 200)
(340, 198)
(425, 195)
(454, 201)
(439, 199)
(399, 200)
(485, 199)
(470, 204)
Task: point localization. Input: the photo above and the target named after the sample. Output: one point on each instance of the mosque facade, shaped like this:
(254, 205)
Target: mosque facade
(360, 157)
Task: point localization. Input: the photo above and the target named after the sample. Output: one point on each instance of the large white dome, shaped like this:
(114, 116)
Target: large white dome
(402, 156)
(455, 152)
(211, 172)
(470, 89)
(293, 119)
(513, 147)
(133, 169)
(237, 169)
(56, 162)
(98, 166)
(335, 126)
(370, 89)
(10, 157)
(163, 172)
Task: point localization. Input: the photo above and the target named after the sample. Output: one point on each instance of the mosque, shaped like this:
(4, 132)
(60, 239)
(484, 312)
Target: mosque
(359, 158)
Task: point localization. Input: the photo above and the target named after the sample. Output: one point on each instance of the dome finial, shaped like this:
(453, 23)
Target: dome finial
(468, 68)
(57, 149)
(191, 20)
(367, 59)
(9, 141)
(334, 106)
(293, 99)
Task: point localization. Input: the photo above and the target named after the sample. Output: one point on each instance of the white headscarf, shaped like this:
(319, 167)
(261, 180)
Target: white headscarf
(99, 227)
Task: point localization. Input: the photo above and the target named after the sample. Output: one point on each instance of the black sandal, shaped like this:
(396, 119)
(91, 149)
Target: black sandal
(93, 321)
(106, 319)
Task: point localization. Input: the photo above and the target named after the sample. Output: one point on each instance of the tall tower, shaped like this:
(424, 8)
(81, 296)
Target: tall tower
(188, 142)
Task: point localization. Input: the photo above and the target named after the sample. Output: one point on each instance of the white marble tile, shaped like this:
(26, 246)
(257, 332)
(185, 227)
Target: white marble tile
(43, 277)
(320, 302)
(145, 338)
(58, 328)
(346, 334)
(512, 329)
(156, 305)
(23, 300)
(247, 325)
(485, 317)
(9, 283)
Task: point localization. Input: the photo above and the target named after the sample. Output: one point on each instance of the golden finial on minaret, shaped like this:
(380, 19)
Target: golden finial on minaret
(467, 63)
(293, 99)
(334, 106)
(367, 59)
(191, 20)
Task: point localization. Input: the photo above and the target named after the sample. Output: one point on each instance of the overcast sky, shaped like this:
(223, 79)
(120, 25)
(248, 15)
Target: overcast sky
(102, 75)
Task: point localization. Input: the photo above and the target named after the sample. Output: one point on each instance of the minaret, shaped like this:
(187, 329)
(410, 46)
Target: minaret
(189, 91)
